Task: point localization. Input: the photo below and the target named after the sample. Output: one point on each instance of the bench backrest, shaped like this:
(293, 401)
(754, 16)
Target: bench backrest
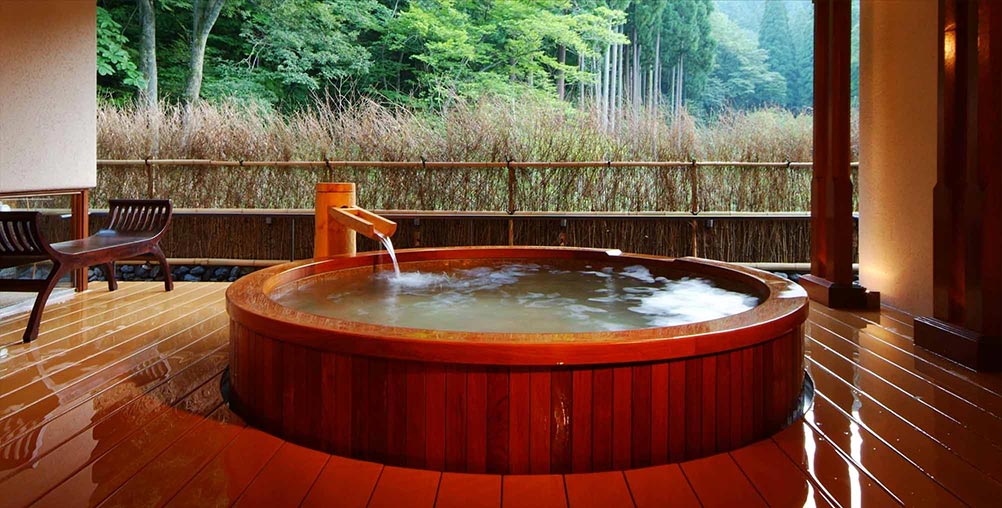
(20, 235)
(150, 216)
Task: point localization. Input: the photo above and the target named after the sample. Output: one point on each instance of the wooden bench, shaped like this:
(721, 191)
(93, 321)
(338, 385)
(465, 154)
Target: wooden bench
(135, 229)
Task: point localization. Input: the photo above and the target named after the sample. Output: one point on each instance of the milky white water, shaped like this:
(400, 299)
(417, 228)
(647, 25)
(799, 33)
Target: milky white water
(516, 297)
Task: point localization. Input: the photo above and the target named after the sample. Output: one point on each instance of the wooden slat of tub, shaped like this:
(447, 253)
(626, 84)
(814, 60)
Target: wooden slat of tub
(376, 410)
(328, 411)
(693, 407)
(342, 405)
(405, 488)
(640, 455)
(758, 386)
(359, 407)
(268, 376)
(498, 421)
(776, 477)
(676, 406)
(416, 419)
(747, 395)
(622, 417)
(458, 490)
(343, 482)
(455, 418)
(562, 404)
(708, 431)
(659, 426)
(709, 475)
(581, 422)
(226, 477)
(537, 491)
(286, 478)
(660, 486)
(476, 420)
(601, 419)
(539, 421)
(434, 414)
(396, 412)
(598, 490)
(723, 402)
(518, 426)
(738, 393)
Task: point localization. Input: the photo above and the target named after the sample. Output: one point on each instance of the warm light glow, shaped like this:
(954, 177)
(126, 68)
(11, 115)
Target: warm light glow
(950, 46)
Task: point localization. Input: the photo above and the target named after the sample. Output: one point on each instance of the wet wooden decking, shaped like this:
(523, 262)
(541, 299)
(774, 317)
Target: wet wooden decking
(117, 404)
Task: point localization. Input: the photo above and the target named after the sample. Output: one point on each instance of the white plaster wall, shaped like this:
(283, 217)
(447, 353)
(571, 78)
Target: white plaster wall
(897, 99)
(48, 84)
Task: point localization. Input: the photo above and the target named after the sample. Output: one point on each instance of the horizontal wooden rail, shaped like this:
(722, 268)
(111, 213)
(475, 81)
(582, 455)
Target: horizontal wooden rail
(451, 164)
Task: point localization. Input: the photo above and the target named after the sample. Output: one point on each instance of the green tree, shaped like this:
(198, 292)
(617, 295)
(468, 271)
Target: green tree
(776, 39)
(741, 77)
(114, 63)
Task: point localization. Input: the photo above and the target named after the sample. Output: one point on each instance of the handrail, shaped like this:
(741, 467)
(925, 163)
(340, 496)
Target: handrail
(509, 165)
(452, 164)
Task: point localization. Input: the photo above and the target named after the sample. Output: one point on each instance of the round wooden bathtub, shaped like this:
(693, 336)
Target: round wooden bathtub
(517, 403)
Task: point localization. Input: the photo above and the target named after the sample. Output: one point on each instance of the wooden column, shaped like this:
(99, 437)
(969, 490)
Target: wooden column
(831, 279)
(80, 229)
(967, 201)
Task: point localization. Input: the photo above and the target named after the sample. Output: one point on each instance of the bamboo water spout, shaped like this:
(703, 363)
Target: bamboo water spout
(338, 219)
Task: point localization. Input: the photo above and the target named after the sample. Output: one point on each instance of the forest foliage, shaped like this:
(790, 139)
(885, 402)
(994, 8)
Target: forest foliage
(615, 55)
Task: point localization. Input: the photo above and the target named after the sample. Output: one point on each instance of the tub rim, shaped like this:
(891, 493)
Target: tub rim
(783, 308)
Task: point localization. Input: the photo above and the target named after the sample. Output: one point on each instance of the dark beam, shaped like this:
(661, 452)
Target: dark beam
(967, 201)
(831, 281)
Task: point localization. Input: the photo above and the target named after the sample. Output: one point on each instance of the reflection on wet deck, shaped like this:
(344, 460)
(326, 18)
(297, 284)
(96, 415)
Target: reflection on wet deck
(117, 403)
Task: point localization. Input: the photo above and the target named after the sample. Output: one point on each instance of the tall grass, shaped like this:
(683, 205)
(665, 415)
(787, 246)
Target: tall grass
(491, 129)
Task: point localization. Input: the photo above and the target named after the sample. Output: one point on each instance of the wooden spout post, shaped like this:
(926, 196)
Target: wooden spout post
(329, 241)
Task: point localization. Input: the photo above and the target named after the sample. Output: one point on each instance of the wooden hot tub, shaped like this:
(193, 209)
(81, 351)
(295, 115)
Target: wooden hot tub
(517, 403)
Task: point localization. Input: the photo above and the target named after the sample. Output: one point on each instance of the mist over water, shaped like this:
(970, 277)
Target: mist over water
(517, 297)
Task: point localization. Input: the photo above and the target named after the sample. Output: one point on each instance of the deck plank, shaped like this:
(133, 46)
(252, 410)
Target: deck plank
(598, 490)
(107, 340)
(286, 479)
(459, 490)
(708, 474)
(226, 477)
(653, 487)
(540, 491)
(107, 472)
(92, 324)
(776, 477)
(405, 488)
(346, 483)
(838, 476)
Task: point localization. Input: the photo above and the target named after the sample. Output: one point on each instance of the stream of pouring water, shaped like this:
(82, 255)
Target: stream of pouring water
(388, 245)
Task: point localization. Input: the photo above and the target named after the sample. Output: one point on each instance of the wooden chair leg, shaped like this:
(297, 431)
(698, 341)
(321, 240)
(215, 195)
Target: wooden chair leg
(165, 266)
(31, 332)
(109, 273)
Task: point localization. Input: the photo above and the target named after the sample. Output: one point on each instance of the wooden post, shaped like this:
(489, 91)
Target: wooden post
(327, 243)
(967, 201)
(831, 279)
(80, 229)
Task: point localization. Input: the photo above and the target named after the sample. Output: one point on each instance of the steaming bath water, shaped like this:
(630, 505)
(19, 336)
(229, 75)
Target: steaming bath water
(516, 297)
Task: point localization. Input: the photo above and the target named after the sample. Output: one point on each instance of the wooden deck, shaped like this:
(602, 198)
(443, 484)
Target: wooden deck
(117, 403)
